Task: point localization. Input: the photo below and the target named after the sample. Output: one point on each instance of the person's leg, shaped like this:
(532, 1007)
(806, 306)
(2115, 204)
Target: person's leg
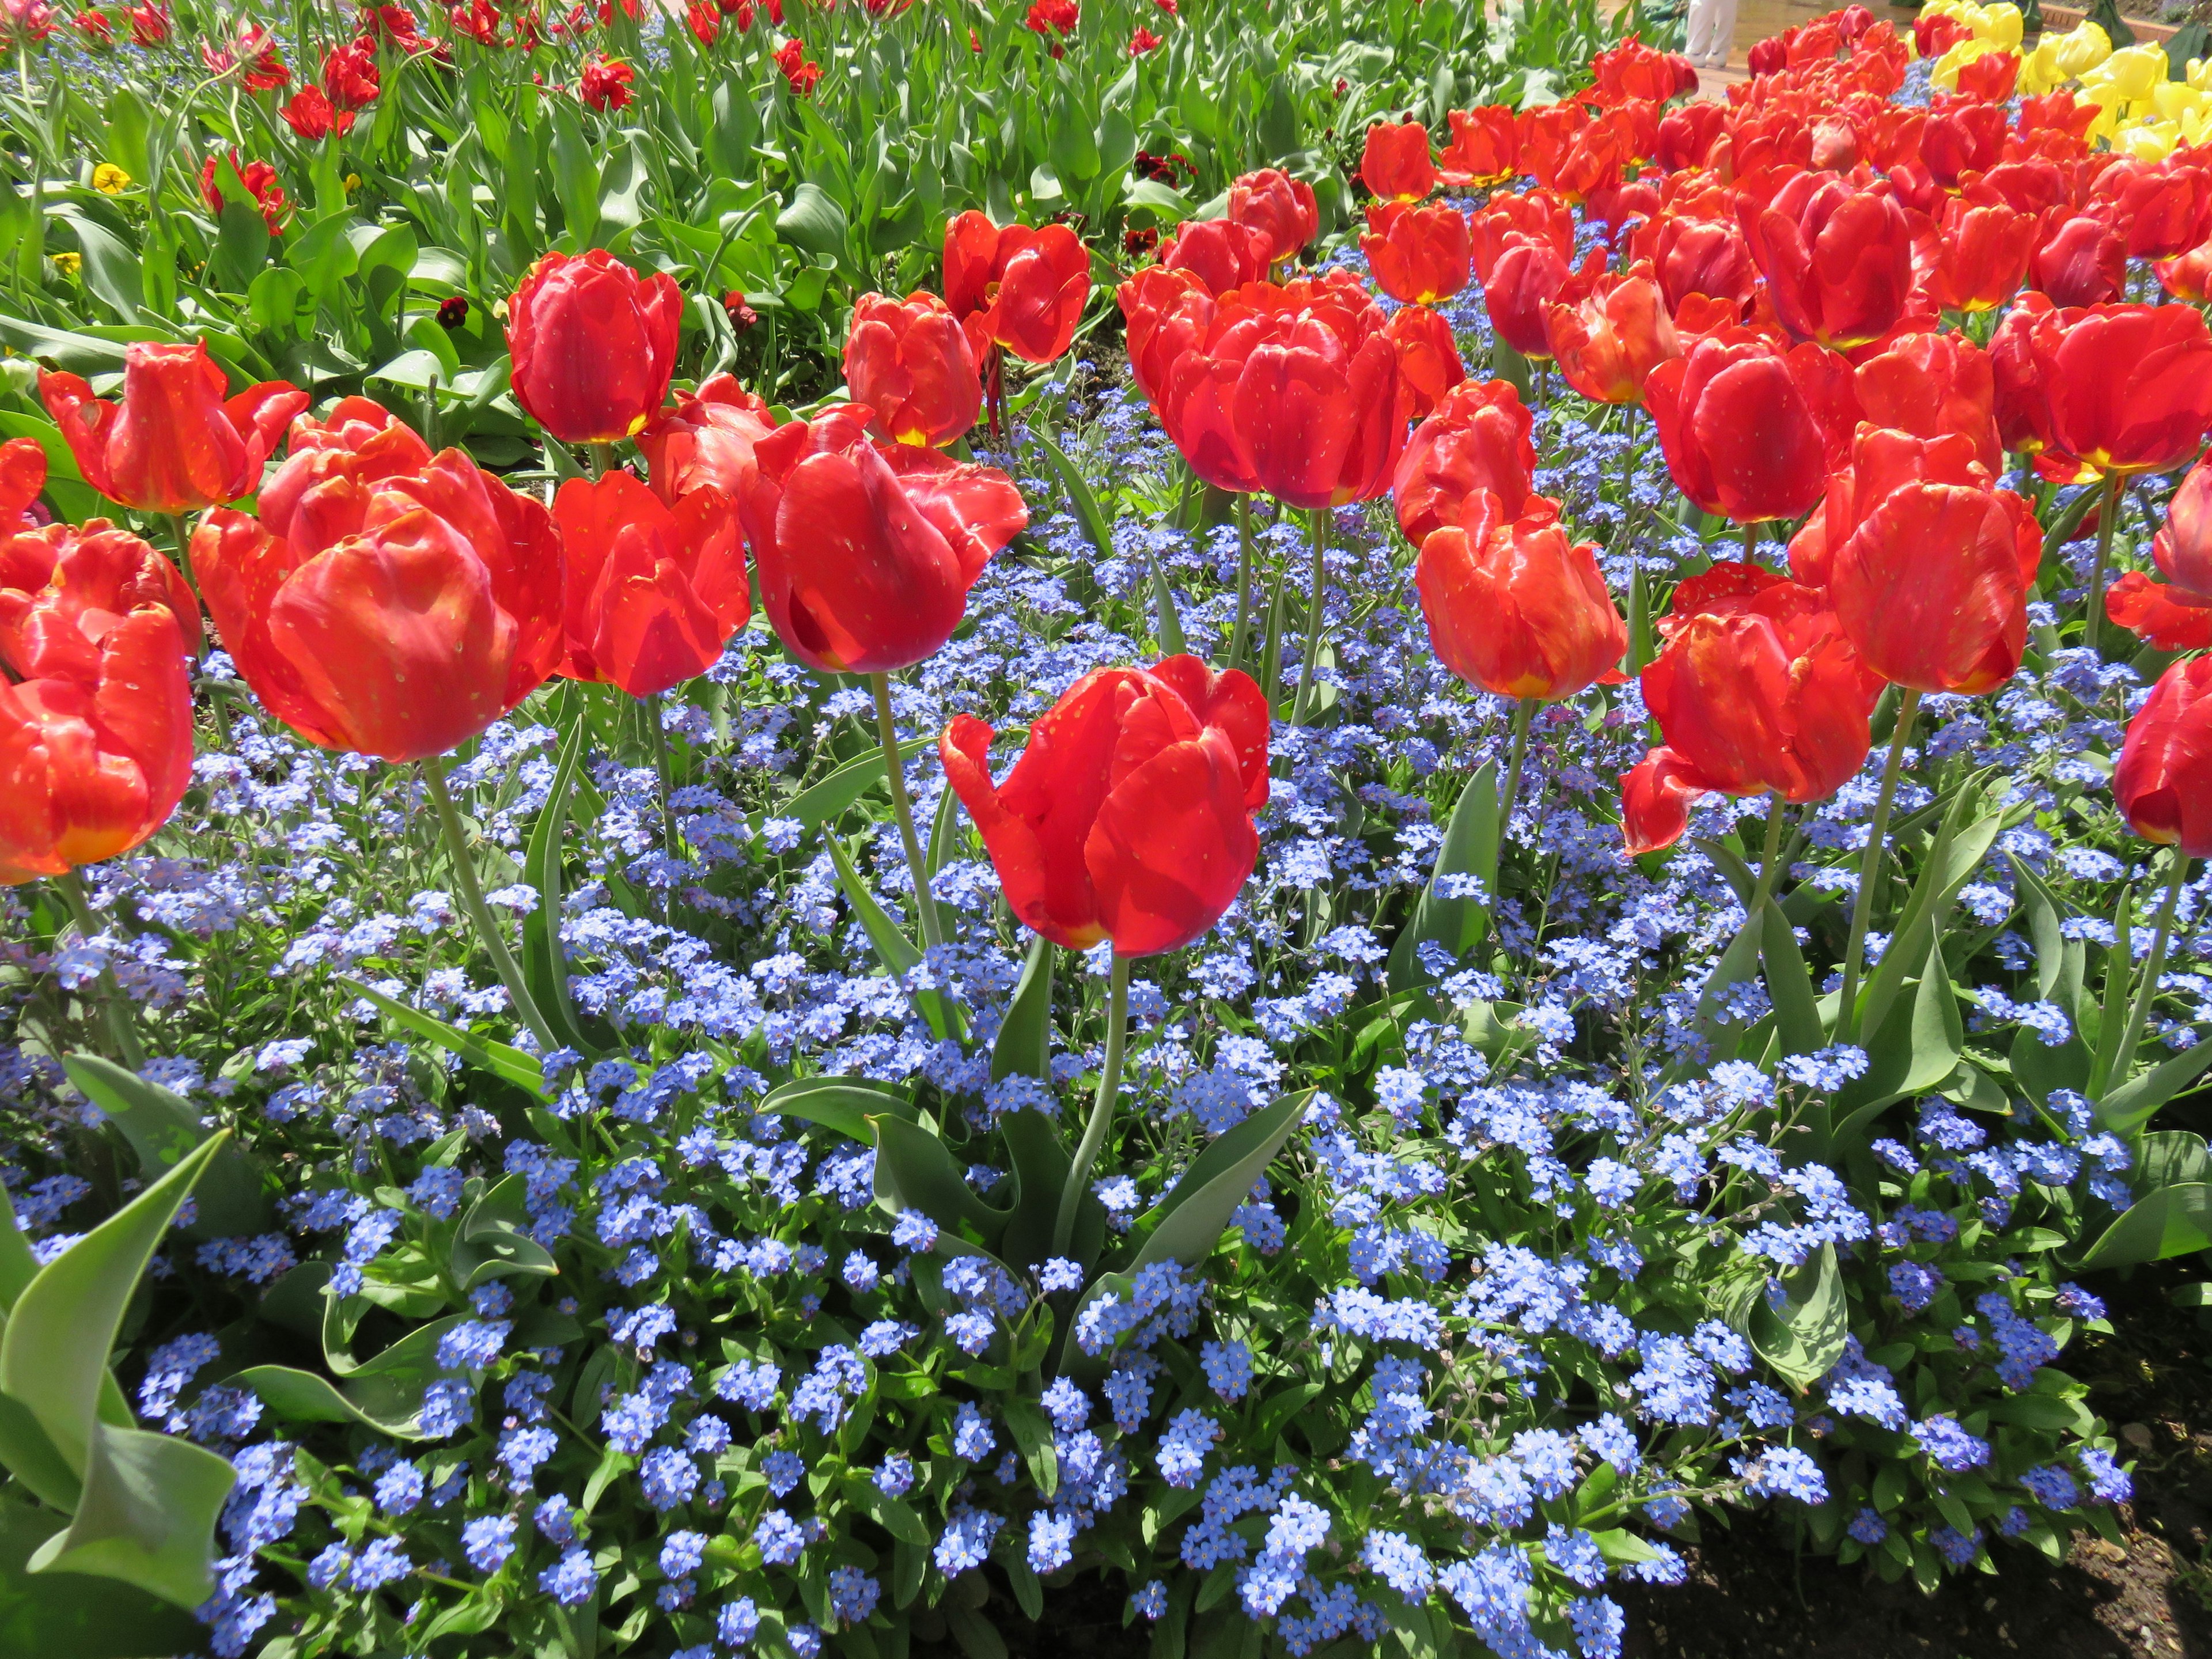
(1723, 36)
(1700, 38)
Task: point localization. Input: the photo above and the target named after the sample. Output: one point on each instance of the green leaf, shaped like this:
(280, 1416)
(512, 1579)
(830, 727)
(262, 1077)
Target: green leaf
(18, 1265)
(916, 1171)
(493, 1241)
(163, 1127)
(501, 1060)
(304, 1397)
(2170, 1158)
(813, 221)
(1024, 1043)
(1101, 533)
(1917, 1047)
(818, 803)
(1789, 984)
(2040, 1067)
(544, 962)
(2170, 1222)
(898, 953)
(147, 1517)
(1803, 1339)
(53, 1356)
(841, 1103)
(62, 1615)
(576, 176)
(1032, 1432)
(2130, 1105)
(893, 1514)
(1193, 1218)
(1470, 848)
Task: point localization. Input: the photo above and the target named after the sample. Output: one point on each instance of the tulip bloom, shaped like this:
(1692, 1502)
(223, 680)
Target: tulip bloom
(1610, 336)
(22, 475)
(1738, 424)
(1516, 608)
(2182, 547)
(1419, 255)
(1982, 255)
(175, 442)
(1220, 252)
(2128, 387)
(1932, 383)
(2080, 261)
(706, 438)
(95, 711)
(1167, 313)
(910, 363)
(1428, 357)
(2162, 783)
(594, 346)
(866, 553)
(1484, 146)
(1758, 689)
(2164, 617)
(1128, 816)
(395, 618)
(1838, 262)
(1284, 207)
(1703, 256)
(1022, 286)
(1477, 441)
(1527, 277)
(1395, 165)
(653, 594)
(2187, 276)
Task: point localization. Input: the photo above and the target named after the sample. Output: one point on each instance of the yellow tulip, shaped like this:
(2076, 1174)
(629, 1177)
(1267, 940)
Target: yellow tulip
(2081, 49)
(2135, 70)
(2174, 98)
(2147, 141)
(2038, 71)
(2001, 26)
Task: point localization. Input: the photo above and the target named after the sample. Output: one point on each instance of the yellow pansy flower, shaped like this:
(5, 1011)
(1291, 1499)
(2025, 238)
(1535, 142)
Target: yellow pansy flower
(110, 180)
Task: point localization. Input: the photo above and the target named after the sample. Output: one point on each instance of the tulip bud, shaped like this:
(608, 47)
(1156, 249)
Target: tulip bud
(594, 346)
(910, 363)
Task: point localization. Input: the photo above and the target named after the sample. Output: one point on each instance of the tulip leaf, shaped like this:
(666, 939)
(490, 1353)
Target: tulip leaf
(2169, 1222)
(894, 949)
(1804, 1338)
(71, 1614)
(544, 962)
(491, 1242)
(303, 1397)
(147, 1515)
(1789, 984)
(1470, 849)
(1193, 1218)
(820, 802)
(1729, 862)
(1917, 1047)
(2125, 1108)
(914, 1170)
(163, 1127)
(18, 1265)
(812, 220)
(841, 1103)
(499, 1058)
(576, 176)
(1100, 531)
(2041, 1069)
(1024, 1043)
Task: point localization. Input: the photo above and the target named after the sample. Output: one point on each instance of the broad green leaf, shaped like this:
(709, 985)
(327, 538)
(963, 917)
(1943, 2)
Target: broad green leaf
(1789, 984)
(2125, 1108)
(492, 1242)
(575, 175)
(1032, 1432)
(820, 802)
(916, 1171)
(61, 1615)
(2170, 1158)
(893, 1514)
(1194, 1216)
(147, 1517)
(163, 1127)
(1024, 1042)
(303, 1397)
(898, 953)
(1470, 848)
(1917, 1049)
(841, 1103)
(499, 1059)
(2040, 1067)
(2170, 1222)
(814, 221)
(18, 1266)
(1804, 1338)
(544, 962)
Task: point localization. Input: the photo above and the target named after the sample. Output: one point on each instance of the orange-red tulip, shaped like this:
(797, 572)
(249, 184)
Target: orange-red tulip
(1484, 146)
(175, 442)
(2182, 547)
(1516, 608)
(1128, 816)
(2128, 387)
(652, 593)
(2187, 276)
(909, 361)
(1396, 166)
(1220, 252)
(706, 438)
(1428, 357)
(1838, 261)
(1757, 689)
(81, 579)
(1536, 214)
(1982, 253)
(1418, 254)
(1610, 333)
(1881, 460)
(1739, 421)
(1932, 383)
(1284, 207)
(866, 553)
(395, 618)
(2164, 617)
(1020, 286)
(2162, 783)
(1476, 441)
(594, 345)
(1167, 313)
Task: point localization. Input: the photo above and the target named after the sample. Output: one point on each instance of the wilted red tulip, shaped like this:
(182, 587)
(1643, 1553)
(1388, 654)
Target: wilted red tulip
(909, 361)
(1516, 607)
(1167, 313)
(175, 442)
(1932, 383)
(594, 346)
(1396, 165)
(1024, 287)
(1609, 334)
(395, 620)
(1128, 816)
(2129, 387)
(2080, 259)
(653, 594)
(1428, 357)
(1757, 689)
(1484, 146)
(1738, 423)
(1220, 252)
(1838, 261)
(1982, 253)
(95, 711)
(1286, 208)
(2162, 783)
(1477, 441)
(1525, 279)
(866, 553)
(261, 184)
(1418, 254)
(706, 440)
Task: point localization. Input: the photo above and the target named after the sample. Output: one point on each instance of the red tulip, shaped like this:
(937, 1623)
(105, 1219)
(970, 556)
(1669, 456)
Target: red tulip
(1220, 252)
(395, 618)
(1738, 421)
(1527, 277)
(1477, 441)
(1838, 262)
(1419, 255)
(1284, 207)
(1932, 383)
(175, 442)
(1128, 816)
(1757, 689)
(1703, 256)
(909, 361)
(2164, 209)
(1428, 357)
(1535, 213)
(2080, 259)
(1024, 287)
(1982, 254)
(866, 553)
(1686, 135)
(95, 711)
(1881, 460)
(22, 475)
(2162, 783)
(262, 190)
(1516, 608)
(2187, 276)
(2129, 387)
(1960, 138)
(1167, 313)
(706, 441)
(1395, 165)
(594, 346)
(1610, 334)
(1484, 149)
(1993, 77)
(2182, 547)
(653, 594)
(2164, 617)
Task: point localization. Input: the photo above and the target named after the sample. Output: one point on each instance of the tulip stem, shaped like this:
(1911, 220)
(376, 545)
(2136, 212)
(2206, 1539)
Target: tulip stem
(1778, 815)
(1524, 712)
(1271, 654)
(116, 1008)
(657, 736)
(2147, 991)
(1307, 696)
(1751, 542)
(1847, 1022)
(1102, 1109)
(479, 915)
(2108, 514)
(181, 532)
(601, 458)
(894, 772)
(1236, 629)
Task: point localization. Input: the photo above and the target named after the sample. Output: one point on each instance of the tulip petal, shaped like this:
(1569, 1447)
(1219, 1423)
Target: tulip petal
(1171, 847)
(1016, 848)
(1655, 797)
